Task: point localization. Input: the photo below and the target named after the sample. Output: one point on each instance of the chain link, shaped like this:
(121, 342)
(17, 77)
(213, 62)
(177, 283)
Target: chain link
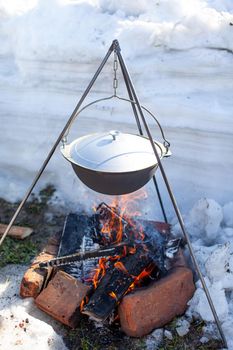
(115, 80)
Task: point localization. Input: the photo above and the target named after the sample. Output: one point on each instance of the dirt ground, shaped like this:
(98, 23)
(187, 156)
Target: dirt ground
(46, 220)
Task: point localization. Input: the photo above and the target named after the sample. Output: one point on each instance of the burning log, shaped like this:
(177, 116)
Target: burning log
(115, 284)
(120, 275)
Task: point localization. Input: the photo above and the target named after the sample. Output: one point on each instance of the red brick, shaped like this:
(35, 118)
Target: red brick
(162, 227)
(18, 232)
(34, 277)
(154, 306)
(179, 259)
(52, 245)
(62, 298)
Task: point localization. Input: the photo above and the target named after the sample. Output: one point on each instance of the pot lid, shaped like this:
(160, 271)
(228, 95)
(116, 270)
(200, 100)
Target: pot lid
(112, 151)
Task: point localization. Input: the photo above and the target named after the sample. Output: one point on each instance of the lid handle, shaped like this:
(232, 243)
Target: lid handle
(114, 133)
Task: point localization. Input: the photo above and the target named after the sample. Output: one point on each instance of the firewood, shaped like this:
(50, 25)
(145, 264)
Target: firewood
(115, 283)
(76, 237)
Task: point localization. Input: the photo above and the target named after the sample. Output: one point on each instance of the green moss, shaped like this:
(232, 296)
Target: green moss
(16, 252)
(191, 341)
(85, 344)
(37, 205)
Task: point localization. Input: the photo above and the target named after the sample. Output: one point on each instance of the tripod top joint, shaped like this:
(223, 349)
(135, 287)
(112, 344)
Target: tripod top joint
(116, 46)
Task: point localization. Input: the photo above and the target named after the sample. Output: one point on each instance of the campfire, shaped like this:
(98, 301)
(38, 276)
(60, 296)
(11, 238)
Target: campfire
(108, 256)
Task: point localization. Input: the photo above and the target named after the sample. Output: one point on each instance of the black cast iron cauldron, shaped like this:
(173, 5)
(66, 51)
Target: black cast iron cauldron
(113, 162)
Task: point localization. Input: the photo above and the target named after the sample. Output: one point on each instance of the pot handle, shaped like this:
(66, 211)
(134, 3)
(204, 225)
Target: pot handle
(64, 138)
(166, 143)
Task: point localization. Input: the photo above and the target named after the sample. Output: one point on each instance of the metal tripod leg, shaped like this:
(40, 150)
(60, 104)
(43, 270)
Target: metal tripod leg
(141, 132)
(173, 200)
(40, 172)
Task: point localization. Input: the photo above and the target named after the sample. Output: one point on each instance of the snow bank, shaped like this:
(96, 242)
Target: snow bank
(214, 252)
(179, 55)
(81, 30)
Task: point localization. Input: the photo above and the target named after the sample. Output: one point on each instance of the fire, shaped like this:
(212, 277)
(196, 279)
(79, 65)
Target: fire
(99, 272)
(145, 273)
(113, 295)
(120, 266)
(115, 218)
(84, 302)
(132, 250)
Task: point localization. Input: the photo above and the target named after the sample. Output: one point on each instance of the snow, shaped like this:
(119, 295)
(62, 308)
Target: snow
(183, 327)
(179, 54)
(228, 214)
(206, 217)
(216, 262)
(155, 339)
(23, 326)
(168, 334)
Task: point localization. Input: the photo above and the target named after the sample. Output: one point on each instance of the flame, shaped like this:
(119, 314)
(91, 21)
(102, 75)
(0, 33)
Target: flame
(120, 212)
(126, 207)
(120, 266)
(145, 273)
(99, 272)
(113, 295)
(132, 250)
(84, 302)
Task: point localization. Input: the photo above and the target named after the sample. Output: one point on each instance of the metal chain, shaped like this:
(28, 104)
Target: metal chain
(115, 68)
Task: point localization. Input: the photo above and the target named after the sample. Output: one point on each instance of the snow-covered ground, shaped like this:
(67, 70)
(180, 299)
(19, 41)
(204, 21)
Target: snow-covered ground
(179, 54)
(22, 325)
(211, 229)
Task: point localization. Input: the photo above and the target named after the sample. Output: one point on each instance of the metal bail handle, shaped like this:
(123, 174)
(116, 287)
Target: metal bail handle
(115, 133)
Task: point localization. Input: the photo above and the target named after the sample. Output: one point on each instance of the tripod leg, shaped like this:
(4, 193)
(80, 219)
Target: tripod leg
(141, 133)
(173, 200)
(41, 170)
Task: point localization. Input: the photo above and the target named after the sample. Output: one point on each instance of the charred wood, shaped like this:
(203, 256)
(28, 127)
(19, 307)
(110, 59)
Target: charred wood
(115, 283)
(76, 237)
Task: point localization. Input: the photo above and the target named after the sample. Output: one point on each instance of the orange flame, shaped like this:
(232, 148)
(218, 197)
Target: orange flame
(113, 229)
(99, 272)
(132, 250)
(113, 295)
(145, 273)
(84, 302)
(120, 266)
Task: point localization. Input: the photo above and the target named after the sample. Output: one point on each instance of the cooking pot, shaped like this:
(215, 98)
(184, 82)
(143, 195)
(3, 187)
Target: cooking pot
(113, 162)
